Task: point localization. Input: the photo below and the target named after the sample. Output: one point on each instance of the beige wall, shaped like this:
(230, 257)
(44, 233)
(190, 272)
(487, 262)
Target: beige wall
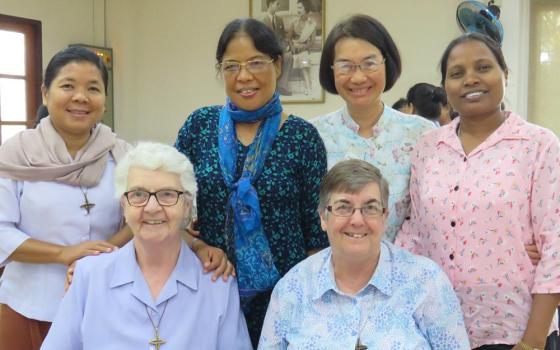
(163, 50)
(543, 93)
(164, 65)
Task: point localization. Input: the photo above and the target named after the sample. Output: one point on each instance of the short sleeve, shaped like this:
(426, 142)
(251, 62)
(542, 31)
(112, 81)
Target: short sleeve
(545, 215)
(10, 236)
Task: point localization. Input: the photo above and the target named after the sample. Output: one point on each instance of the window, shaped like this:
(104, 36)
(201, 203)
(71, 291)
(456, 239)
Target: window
(20, 74)
(545, 64)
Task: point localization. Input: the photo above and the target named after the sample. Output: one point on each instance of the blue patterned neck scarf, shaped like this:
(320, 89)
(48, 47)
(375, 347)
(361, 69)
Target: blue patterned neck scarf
(256, 271)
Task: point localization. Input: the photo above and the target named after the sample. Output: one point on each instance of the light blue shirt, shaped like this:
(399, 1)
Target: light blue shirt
(408, 304)
(389, 148)
(49, 211)
(108, 303)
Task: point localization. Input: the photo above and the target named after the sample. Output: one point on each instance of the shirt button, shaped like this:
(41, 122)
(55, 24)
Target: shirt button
(407, 218)
(451, 256)
(453, 223)
(465, 159)
(456, 188)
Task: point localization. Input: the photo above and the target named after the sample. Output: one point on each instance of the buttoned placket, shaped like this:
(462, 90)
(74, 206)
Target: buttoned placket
(456, 221)
(358, 319)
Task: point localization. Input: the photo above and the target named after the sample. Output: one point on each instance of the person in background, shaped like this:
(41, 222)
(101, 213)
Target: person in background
(359, 62)
(257, 169)
(275, 22)
(152, 292)
(401, 105)
(483, 187)
(362, 292)
(447, 113)
(426, 100)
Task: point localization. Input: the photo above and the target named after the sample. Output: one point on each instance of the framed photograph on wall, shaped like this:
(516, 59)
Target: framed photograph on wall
(299, 26)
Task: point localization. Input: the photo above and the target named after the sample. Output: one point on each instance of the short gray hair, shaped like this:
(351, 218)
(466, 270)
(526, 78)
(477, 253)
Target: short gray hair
(350, 176)
(155, 156)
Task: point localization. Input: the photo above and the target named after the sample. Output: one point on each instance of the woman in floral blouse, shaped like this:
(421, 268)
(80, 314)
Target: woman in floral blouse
(482, 187)
(359, 62)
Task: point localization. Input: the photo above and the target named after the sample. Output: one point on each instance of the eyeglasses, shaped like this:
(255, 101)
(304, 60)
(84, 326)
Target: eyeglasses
(371, 211)
(165, 198)
(369, 65)
(253, 66)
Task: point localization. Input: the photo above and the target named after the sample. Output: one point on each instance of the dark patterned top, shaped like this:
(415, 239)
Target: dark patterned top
(288, 187)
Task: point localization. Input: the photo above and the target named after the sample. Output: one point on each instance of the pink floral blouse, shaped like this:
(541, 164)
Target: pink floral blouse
(472, 214)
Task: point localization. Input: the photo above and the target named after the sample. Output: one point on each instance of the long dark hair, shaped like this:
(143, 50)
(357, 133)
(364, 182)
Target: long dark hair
(427, 100)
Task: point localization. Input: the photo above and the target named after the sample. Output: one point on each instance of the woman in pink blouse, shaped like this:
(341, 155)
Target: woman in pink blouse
(481, 188)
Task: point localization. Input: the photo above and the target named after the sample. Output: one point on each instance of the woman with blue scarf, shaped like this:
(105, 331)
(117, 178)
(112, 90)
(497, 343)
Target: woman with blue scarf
(258, 169)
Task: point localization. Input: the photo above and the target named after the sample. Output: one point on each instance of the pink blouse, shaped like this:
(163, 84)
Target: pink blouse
(473, 214)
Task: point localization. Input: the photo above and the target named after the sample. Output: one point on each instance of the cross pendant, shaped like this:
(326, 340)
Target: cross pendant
(157, 341)
(87, 205)
(360, 346)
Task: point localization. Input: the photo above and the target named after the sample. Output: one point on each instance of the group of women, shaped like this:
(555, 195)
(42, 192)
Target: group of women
(469, 195)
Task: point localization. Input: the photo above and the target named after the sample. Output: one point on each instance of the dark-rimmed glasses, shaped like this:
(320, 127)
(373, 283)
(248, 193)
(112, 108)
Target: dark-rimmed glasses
(255, 66)
(165, 198)
(369, 65)
(372, 211)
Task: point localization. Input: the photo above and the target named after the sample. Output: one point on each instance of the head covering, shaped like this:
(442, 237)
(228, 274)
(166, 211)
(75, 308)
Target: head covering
(41, 155)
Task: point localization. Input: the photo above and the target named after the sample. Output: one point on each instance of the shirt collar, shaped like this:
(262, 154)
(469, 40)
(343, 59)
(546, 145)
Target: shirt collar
(381, 279)
(347, 120)
(513, 128)
(126, 270)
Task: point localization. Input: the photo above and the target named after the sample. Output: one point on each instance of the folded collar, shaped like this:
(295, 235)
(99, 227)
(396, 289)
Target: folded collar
(126, 270)
(381, 279)
(513, 128)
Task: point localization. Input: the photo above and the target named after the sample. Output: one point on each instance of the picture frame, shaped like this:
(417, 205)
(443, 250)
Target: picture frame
(300, 27)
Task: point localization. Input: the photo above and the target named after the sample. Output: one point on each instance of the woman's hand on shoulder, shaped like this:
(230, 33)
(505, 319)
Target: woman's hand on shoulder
(213, 260)
(69, 254)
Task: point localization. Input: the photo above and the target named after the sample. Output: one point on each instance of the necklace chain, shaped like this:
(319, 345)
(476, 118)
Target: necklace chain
(157, 341)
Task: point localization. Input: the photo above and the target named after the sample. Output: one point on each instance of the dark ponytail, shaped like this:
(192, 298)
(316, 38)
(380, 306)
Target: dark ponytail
(427, 100)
